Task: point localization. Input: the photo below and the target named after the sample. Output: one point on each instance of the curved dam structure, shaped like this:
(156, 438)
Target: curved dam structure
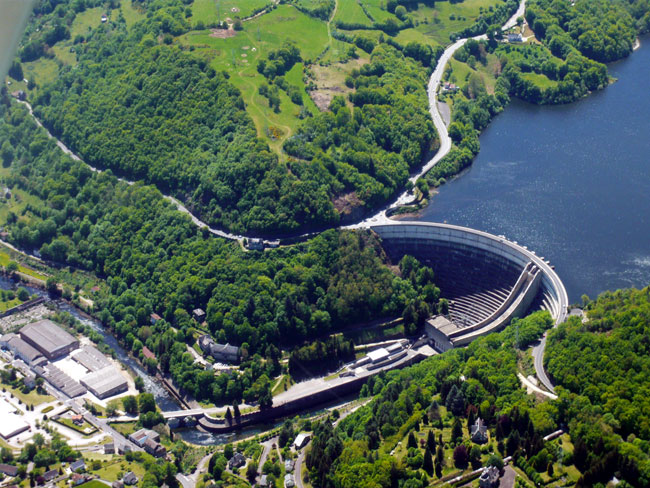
(487, 279)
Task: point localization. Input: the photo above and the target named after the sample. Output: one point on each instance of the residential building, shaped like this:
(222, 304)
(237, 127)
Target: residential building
(479, 432)
(155, 448)
(302, 440)
(8, 470)
(198, 314)
(78, 465)
(220, 352)
(289, 481)
(109, 448)
(237, 461)
(130, 478)
(489, 478)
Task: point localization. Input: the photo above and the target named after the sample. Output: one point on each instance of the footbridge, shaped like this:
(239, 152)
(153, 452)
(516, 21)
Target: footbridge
(487, 279)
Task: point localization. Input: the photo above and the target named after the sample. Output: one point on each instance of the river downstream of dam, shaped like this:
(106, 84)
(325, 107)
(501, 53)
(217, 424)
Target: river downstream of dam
(570, 182)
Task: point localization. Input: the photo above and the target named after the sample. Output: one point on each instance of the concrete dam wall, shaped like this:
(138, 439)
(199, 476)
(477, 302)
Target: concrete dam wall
(487, 279)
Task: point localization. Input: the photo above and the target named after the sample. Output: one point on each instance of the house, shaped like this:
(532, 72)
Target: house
(264, 481)
(109, 448)
(237, 460)
(478, 432)
(302, 440)
(78, 479)
(50, 475)
(489, 477)
(104, 18)
(198, 314)
(29, 381)
(140, 437)
(516, 37)
(123, 449)
(288, 465)
(154, 448)
(220, 352)
(117, 484)
(130, 478)
(146, 352)
(77, 419)
(449, 87)
(154, 317)
(256, 244)
(77, 466)
(289, 481)
(8, 470)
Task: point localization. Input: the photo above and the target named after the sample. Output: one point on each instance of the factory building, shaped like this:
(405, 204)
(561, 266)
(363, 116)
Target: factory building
(50, 339)
(105, 382)
(22, 350)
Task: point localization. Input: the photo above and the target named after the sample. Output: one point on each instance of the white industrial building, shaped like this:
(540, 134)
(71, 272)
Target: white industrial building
(105, 382)
(11, 424)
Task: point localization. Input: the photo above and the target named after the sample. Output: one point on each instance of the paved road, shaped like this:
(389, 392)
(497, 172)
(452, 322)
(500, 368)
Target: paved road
(538, 357)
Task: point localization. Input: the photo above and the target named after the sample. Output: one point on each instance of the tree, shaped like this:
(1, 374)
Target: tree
(52, 286)
(431, 441)
(251, 472)
(130, 404)
(427, 462)
(23, 294)
(496, 461)
(475, 457)
(228, 451)
(146, 403)
(411, 443)
(461, 457)
(456, 431)
(228, 416)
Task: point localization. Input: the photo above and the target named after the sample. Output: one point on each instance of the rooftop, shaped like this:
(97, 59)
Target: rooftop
(49, 336)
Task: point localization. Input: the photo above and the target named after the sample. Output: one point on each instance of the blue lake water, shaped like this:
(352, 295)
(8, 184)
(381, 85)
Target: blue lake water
(571, 182)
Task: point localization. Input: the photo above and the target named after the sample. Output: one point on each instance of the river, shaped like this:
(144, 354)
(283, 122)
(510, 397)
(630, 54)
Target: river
(571, 182)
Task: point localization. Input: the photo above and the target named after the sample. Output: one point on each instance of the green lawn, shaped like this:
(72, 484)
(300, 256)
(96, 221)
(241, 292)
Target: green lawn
(210, 11)
(131, 14)
(93, 484)
(112, 468)
(239, 55)
(437, 23)
(86, 21)
(31, 398)
(351, 12)
(124, 428)
(378, 13)
(540, 80)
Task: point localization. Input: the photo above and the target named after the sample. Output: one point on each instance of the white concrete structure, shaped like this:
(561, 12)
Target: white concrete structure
(10, 423)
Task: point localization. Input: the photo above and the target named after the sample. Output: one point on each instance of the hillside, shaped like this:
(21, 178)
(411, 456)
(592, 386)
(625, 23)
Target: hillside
(231, 111)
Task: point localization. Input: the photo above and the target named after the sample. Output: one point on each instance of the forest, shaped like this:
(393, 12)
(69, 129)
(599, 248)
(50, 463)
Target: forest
(154, 259)
(599, 369)
(153, 111)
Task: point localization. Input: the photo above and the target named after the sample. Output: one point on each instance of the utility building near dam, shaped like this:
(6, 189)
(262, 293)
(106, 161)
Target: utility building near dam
(487, 279)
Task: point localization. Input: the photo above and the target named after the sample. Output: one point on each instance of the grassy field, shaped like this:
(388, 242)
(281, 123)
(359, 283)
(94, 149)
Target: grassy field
(210, 11)
(350, 11)
(446, 18)
(31, 398)
(539, 80)
(113, 466)
(239, 55)
(5, 258)
(124, 428)
(374, 8)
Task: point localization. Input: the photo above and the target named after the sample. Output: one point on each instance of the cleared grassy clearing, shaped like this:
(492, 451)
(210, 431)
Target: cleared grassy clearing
(210, 11)
(374, 8)
(239, 55)
(539, 80)
(351, 12)
(447, 18)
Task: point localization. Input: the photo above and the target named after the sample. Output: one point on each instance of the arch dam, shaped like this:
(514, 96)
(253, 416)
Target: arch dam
(487, 279)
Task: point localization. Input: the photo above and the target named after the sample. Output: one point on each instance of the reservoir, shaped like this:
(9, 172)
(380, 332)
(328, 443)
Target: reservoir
(570, 182)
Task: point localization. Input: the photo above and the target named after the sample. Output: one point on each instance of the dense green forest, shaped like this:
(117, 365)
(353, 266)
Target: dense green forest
(599, 369)
(150, 111)
(602, 368)
(155, 260)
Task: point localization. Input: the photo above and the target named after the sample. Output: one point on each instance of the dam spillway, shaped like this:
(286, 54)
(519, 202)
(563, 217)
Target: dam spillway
(487, 279)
